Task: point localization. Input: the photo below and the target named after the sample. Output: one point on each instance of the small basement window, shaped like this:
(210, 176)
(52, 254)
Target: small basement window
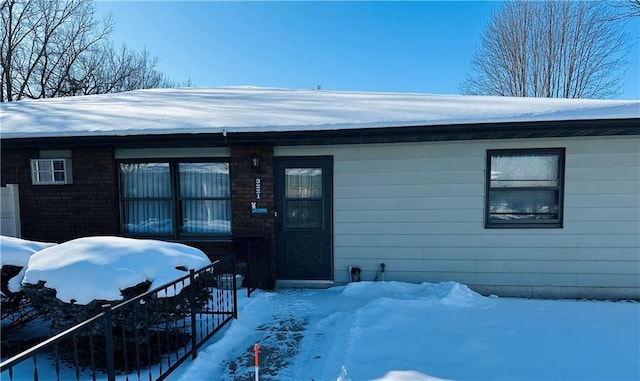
(525, 188)
(51, 171)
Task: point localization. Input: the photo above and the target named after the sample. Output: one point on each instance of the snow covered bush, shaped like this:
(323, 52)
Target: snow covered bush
(71, 281)
(15, 254)
(100, 268)
(14, 257)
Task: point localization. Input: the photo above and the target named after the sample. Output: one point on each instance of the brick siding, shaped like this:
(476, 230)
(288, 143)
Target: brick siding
(90, 205)
(243, 186)
(56, 213)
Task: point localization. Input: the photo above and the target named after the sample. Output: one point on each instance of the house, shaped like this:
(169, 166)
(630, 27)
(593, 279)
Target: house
(512, 196)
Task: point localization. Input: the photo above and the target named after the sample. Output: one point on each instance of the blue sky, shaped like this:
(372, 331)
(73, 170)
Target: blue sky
(415, 46)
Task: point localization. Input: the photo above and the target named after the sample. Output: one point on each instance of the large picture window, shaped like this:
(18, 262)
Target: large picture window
(171, 198)
(524, 188)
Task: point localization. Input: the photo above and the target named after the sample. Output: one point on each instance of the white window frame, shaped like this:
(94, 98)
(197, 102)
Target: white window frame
(42, 174)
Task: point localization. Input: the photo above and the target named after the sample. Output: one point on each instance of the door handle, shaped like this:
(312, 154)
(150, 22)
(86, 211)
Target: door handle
(278, 221)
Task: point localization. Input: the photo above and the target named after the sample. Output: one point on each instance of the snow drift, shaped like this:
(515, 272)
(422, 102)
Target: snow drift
(395, 331)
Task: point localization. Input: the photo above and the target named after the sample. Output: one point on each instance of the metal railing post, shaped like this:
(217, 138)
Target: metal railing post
(248, 269)
(235, 289)
(192, 302)
(108, 342)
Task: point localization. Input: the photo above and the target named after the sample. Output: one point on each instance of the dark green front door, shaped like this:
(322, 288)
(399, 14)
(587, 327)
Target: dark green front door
(303, 206)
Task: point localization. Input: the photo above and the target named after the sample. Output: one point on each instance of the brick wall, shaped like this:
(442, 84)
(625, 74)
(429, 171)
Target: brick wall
(56, 213)
(213, 249)
(243, 185)
(90, 206)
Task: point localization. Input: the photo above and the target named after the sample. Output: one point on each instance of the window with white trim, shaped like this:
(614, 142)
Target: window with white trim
(525, 188)
(175, 198)
(51, 171)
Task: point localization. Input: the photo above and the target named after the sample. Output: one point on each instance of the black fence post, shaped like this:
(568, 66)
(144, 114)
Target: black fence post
(192, 302)
(235, 289)
(108, 342)
(248, 260)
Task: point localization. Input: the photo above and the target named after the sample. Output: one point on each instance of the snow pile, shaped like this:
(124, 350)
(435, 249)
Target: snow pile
(98, 268)
(447, 293)
(249, 109)
(394, 331)
(16, 252)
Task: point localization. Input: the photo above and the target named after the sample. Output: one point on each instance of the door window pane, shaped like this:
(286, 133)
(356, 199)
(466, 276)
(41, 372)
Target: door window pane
(303, 183)
(303, 204)
(304, 214)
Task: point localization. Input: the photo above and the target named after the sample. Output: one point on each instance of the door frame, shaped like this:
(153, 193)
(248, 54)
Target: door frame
(326, 163)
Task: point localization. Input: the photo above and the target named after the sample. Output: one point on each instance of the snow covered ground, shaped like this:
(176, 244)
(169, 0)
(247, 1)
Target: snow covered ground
(383, 330)
(400, 331)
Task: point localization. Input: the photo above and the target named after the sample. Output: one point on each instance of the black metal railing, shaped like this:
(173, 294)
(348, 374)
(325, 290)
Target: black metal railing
(258, 255)
(143, 338)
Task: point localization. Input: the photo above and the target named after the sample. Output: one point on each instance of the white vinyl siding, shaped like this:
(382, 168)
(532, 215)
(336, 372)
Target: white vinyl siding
(419, 208)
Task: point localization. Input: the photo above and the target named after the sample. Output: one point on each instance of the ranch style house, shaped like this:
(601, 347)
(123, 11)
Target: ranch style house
(522, 197)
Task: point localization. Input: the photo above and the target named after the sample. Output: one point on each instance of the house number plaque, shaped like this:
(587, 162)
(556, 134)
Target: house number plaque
(258, 188)
(254, 204)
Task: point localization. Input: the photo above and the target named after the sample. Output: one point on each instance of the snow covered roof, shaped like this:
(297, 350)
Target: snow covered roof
(252, 109)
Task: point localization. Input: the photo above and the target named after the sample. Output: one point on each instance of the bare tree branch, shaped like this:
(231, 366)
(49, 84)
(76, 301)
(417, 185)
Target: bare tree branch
(626, 9)
(560, 49)
(59, 48)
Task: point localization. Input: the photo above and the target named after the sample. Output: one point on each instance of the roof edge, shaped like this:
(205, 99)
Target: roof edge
(445, 132)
